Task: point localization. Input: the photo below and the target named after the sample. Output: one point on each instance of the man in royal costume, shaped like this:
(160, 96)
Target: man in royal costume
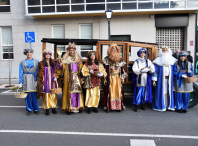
(93, 70)
(113, 88)
(28, 70)
(71, 65)
(142, 87)
(163, 78)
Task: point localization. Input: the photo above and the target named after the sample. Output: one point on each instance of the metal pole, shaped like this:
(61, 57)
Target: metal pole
(30, 45)
(109, 36)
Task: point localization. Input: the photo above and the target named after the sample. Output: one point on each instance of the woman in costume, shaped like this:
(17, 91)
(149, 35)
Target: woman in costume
(47, 79)
(93, 71)
(182, 69)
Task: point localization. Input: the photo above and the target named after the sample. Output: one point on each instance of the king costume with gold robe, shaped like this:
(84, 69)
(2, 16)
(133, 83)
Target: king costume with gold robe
(113, 89)
(72, 89)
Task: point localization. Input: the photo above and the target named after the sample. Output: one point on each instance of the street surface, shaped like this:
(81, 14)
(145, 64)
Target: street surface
(95, 129)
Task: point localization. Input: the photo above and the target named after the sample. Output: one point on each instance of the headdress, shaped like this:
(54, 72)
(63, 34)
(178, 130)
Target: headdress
(183, 53)
(47, 52)
(90, 52)
(140, 51)
(26, 50)
(71, 46)
(164, 47)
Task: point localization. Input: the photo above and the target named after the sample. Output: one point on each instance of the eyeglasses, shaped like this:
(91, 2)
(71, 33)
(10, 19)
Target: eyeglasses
(48, 52)
(29, 52)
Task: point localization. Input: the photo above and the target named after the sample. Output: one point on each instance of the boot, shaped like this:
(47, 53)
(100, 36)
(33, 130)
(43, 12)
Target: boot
(37, 112)
(29, 113)
(142, 107)
(89, 110)
(80, 111)
(95, 110)
(54, 111)
(47, 112)
(184, 111)
(136, 108)
(69, 113)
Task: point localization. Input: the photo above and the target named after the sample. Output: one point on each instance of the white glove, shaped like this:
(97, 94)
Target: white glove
(36, 83)
(100, 74)
(146, 70)
(55, 79)
(189, 71)
(43, 88)
(20, 85)
(91, 71)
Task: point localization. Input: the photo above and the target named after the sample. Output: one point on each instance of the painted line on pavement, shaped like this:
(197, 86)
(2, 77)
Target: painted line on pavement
(8, 91)
(99, 134)
(19, 107)
(142, 142)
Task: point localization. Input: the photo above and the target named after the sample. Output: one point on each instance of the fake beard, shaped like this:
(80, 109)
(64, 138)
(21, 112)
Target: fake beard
(167, 58)
(114, 57)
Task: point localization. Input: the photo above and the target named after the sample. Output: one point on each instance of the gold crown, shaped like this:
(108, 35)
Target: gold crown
(46, 51)
(164, 47)
(71, 46)
(90, 52)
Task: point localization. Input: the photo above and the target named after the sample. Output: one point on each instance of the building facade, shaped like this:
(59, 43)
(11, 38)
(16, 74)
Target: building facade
(165, 22)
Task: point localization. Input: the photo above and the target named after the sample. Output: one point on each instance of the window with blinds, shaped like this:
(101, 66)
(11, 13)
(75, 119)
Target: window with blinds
(6, 43)
(58, 32)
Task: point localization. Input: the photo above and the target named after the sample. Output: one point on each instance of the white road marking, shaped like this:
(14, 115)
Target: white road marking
(8, 91)
(142, 142)
(99, 134)
(18, 107)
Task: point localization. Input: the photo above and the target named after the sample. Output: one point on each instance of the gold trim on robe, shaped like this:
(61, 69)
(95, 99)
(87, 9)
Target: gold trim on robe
(49, 100)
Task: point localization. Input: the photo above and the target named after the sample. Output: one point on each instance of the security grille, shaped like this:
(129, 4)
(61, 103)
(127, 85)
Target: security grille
(172, 37)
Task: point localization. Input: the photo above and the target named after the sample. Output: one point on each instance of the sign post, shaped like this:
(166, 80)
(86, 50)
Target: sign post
(30, 37)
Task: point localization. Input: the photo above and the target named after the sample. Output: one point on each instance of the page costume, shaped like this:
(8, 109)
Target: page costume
(163, 97)
(45, 81)
(28, 70)
(181, 87)
(142, 87)
(92, 83)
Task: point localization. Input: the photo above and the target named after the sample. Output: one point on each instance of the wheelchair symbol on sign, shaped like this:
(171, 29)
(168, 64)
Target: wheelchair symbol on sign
(29, 38)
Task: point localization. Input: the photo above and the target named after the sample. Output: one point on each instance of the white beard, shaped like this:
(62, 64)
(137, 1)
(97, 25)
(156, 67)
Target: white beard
(165, 58)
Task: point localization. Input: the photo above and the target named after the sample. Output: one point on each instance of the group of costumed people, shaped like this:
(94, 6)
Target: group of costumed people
(166, 74)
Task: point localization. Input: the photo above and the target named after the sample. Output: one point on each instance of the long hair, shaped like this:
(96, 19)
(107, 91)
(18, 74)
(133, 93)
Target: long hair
(50, 62)
(89, 61)
(185, 63)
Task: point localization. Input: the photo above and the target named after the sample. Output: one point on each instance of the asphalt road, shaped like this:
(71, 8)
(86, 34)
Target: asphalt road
(165, 128)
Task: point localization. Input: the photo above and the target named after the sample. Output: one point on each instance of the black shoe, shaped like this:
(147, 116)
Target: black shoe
(69, 113)
(119, 110)
(47, 113)
(89, 110)
(29, 113)
(107, 111)
(37, 112)
(184, 111)
(179, 111)
(80, 111)
(143, 108)
(95, 110)
(136, 108)
(54, 111)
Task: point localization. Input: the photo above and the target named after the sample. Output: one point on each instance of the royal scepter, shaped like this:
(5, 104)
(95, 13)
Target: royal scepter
(59, 52)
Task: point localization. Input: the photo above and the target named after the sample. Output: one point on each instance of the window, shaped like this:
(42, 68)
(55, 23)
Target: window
(58, 31)
(4, 5)
(85, 33)
(6, 43)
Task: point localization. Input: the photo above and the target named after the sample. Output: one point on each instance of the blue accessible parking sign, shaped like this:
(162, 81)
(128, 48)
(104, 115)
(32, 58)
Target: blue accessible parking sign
(30, 37)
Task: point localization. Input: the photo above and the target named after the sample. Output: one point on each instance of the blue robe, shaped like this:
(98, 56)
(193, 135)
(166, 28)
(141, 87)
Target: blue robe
(158, 96)
(139, 92)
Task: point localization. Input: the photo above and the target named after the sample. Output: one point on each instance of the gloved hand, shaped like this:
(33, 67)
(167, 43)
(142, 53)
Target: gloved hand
(20, 85)
(91, 72)
(146, 69)
(55, 79)
(100, 74)
(43, 88)
(154, 83)
(189, 71)
(36, 83)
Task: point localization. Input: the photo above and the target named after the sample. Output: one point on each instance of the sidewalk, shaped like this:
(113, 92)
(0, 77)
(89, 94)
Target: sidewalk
(5, 82)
